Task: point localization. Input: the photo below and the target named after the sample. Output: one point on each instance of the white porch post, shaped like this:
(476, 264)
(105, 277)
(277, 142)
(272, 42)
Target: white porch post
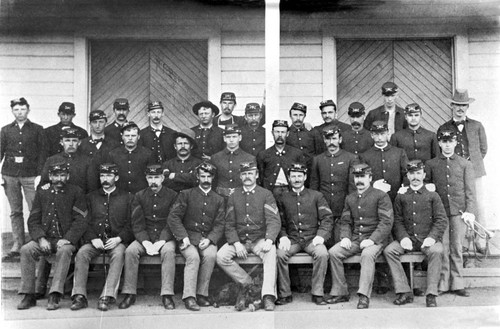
(272, 66)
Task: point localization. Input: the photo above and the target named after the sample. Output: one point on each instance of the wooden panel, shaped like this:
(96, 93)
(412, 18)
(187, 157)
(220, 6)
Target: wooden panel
(19, 75)
(35, 88)
(37, 49)
(33, 62)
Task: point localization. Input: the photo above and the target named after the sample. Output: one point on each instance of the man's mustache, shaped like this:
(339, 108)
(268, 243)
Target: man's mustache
(121, 116)
(356, 124)
(206, 184)
(360, 184)
(106, 184)
(153, 185)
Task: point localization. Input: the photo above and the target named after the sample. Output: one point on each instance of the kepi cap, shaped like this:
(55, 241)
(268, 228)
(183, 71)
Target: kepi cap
(330, 130)
(207, 167)
(228, 96)
(121, 103)
(379, 126)
(96, 115)
(58, 167)
(389, 88)
(70, 133)
(155, 106)
(247, 166)
(298, 167)
(326, 103)
(413, 108)
(299, 107)
(108, 168)
(356, 110)
(415, 165)
(361, 169)
(280, 123)
(252, 108)
(446, 135)
(67, 108)
(232, 129)
(129, 125)
(18, 101)
(154, 169)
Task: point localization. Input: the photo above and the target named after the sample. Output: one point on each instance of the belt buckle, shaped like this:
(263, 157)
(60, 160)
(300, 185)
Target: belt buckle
(18, 159)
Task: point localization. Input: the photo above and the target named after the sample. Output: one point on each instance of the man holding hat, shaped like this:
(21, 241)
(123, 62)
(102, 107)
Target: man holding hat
(23, 153)
(57, 221)
(197, 223)
(209, 137)
(108, 233)
(97, 145)
(329, 114)
(357, 139)
(308, 141)
(150, 209)
(157, 137)
(418, 143)
(53, 133)
(227, 104)
(121, 108)
(390, 112)
(274, 162)
(253, 134)
(307, 223)
(331, 174)
(419, 224)
(228, 160)
(180, 171)
(453, 177)
(366, 225)
(252, 225)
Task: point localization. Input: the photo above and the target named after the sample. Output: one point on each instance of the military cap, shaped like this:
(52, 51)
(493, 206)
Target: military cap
(58, 167)
(121, 103)
(129, 125)
(299, 107)
(328, 102)
(155, 106)
(96, 115)
(389, 88)
(356, 110)
(108, 168)
(70, 133)
(413, 108)
(361, 169)
(379, 126)
(187, 133)
(252, 108)
(232, 129)
(18, 101)
(207, 167)
(205, 104)
(280, 123)
(446, 135)
(154, 169)
(228, 96)
(298, 167)
(461, 96)
(67, 107)
(330, 130)
(415, 165)
(247, 166)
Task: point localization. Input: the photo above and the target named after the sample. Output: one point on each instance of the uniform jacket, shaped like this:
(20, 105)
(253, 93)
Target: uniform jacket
(420, 144)
(185, 173)
(253, 141)
(308, 141)
(113, 132)
(162, 147)
(89, 148)
(270, 161)
(341, 125)
(228, 167)
(209, 141)
(380, 114)
(356, 142)
(53, 137)
(240, 121)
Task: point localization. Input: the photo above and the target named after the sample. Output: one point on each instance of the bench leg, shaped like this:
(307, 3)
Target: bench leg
(411, 275)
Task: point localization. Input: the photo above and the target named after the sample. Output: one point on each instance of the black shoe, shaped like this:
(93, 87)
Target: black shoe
(430, 301)
(191, 304)
(79, 302)
(11, 256)
(268, 302)
(41, 294)
(338, 299)
(318, 300)
(53, 303)
(103, 303)
(418, 292)
(403, 298)
(461, 293)
(364, 302)
(128, 301)
(381, 290)
(167, 301)
(284, 300)
(28, 301)
(202, 301)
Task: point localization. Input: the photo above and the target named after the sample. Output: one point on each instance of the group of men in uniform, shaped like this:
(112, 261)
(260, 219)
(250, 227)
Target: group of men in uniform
(333, 191)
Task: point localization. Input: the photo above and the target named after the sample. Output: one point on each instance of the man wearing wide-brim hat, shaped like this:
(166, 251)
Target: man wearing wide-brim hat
(207, 135)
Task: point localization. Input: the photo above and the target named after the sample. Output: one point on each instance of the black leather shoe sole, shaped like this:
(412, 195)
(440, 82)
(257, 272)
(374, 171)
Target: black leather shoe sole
(284, 300)
(338, 299)
(127, 302)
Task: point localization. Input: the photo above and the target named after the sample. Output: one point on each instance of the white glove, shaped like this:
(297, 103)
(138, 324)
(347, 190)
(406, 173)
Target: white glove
(430, 187)
(150, 250)
(402, 189)
(345, 243)
(469, 218)
(285, 243)
(37, 181)
(428, 242)
(318, 240)
(381, 185)
(406, 244)
(366, 243)
(184, 243)
(158, 244)
(45, 186)
(268, 244)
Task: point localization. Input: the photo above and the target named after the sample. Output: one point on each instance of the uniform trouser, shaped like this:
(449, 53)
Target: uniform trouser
(320, 265)
(453, 264)
(133, 254)
(434, 255)
(82, 261)
(12, 187)
(198, 270)
(481, 198)
(368, 257)
(230, 267)
(30, 253)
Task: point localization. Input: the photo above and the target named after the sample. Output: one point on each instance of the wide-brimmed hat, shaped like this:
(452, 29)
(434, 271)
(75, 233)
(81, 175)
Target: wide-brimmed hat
(187, 133)
(206, 104)
(461, 96)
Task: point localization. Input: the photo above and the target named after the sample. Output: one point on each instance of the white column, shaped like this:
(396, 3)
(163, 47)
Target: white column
(81, 88)
(214, 67)
(272, 66)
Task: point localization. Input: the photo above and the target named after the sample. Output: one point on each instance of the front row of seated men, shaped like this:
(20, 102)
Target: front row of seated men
(108, 220)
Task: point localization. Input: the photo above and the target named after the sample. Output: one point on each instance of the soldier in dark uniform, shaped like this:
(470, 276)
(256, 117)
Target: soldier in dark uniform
(274, 162)
(306, 223)
(109, 232)
(227, 104)
(356, 140)
(419, 224)
(53, 133)
(308, 141)
(329, 114)
(150, 209)
(57, 221)
(252, 225)
(418, 143)
(197, 222)
(121, 108)
(331, 174)
(97, 145)
(157, 137)
(208, 136)
(392, 114)
(253, 134)
(366, 225)
(180, 172)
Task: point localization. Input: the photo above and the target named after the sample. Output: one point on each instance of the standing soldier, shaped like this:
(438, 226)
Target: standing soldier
(306, 223)
(227, 104)
(23, 151)
(121, 108)
(308, 141)
(329, 114)
(209, 137)
(197, 222)
(418, 143)
(252, 225)
(57, 221)
(356, 140)
(108, 233)
(150, 209)
(366, 224)
(253, 135)
(53, 133)
(97, 145)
